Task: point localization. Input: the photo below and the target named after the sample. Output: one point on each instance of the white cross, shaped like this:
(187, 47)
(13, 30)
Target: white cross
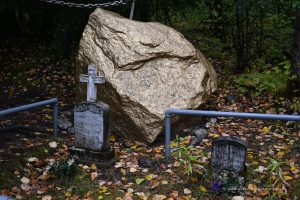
(91, 79)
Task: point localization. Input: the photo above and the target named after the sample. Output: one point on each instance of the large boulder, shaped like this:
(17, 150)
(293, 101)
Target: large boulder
(148, 67)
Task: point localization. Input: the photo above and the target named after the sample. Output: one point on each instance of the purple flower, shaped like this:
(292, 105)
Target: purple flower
(215, 186)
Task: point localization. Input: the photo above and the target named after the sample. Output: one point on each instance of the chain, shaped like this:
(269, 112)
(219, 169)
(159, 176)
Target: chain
(90, 5)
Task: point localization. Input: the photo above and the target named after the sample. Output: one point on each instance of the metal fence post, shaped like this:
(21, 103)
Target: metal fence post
(168, 135)
(132, 10)
(55, 119)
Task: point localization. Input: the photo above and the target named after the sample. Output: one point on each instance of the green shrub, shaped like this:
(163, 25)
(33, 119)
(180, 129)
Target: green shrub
(270, 80)
(64, 168)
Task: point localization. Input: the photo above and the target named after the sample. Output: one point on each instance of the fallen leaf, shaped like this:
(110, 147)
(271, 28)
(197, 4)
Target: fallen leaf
(118, 165)
(68, 194)
(187, 191)
(93, 167)
(176, 164)
(53, 144)
(16, 190)
(287, 178)
(278, 135)
(138, 181)
(112, 138)
(94, 175)
(25, 187)
(164, 182)
(264, 193)
(32, 159)
(266, 129)
(132, 169)
(202, 188)
(42, 190)
(47, 197)
(25, 180)
(260, 169)
(280, 154)
(294, 168)
(174, 194)
(44, 177)
(237, 198)
(252, 187)
(149, 177)
(159, 197)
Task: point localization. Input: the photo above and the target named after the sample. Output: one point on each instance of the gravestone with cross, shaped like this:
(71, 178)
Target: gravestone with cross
(92, 125)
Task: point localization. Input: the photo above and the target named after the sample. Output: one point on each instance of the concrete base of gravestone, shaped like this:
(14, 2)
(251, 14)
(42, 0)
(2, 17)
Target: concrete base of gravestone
(99, 158)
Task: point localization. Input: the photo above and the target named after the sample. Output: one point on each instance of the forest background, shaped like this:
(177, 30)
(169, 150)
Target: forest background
(257, 39)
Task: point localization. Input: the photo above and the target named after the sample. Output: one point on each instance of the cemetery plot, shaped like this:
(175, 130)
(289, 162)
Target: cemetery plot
(38, 167)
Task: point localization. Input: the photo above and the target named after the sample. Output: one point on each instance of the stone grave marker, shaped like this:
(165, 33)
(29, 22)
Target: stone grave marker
(92, 125)
(228, 153)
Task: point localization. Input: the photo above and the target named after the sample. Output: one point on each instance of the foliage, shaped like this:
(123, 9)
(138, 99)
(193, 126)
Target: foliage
(64, 168)
(277, 180)
(187, 160)
(272, 80)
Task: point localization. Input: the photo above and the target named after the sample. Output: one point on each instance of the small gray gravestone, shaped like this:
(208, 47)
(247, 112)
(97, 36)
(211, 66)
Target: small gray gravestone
(91, 125)
(229, 153)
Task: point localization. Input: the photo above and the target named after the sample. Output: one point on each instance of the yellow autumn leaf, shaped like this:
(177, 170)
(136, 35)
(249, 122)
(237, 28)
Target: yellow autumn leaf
(112, 138)
(250, 155)
(103, 189)
(294, 168)
(202, 188)
(48, 117)
(287, 178)
(149, 177)
(252, 187)
(266, 129)
(138, 181)
(93, 167)
(254, 163)
(194, 179)
(279, 154)
(68, 194)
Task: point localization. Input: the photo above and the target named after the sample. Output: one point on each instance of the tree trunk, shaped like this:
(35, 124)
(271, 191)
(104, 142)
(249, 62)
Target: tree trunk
(166, 12)
(143, 10)
(294, 83)
(241, 38)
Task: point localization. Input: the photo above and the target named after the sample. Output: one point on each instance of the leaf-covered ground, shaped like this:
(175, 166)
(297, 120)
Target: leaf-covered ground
(34, 165)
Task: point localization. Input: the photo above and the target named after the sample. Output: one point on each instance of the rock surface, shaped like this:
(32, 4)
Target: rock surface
(148, 68)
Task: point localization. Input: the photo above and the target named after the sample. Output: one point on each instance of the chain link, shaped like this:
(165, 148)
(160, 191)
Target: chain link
(82, 5)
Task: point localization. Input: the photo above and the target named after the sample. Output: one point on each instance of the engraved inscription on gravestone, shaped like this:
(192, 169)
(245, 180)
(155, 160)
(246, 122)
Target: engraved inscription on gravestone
(229, 153)
(91, 123)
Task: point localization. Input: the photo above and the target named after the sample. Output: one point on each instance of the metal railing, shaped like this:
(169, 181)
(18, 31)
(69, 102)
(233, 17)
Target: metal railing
(53, 102)
(170, 112)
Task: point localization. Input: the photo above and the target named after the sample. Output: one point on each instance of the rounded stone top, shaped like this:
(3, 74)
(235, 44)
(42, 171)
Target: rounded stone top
(230, 140)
